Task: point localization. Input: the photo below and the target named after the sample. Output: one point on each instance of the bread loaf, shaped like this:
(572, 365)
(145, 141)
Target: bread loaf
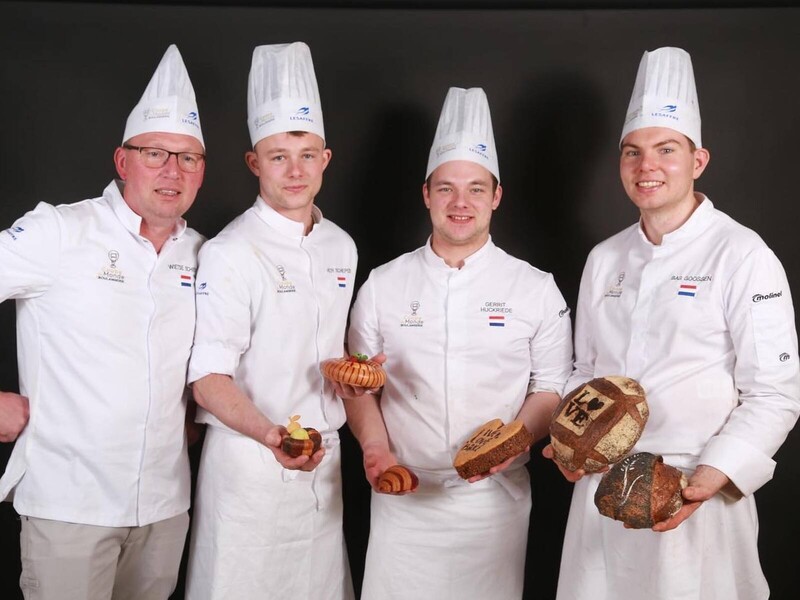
(356, 370)
(490, 445)
(598, 423)
(397, 479)
(640, 490)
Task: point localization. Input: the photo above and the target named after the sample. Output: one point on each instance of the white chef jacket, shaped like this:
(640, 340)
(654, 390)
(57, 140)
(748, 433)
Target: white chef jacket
(705, 323)
(104, 330)
(272, 304)
(463, 346)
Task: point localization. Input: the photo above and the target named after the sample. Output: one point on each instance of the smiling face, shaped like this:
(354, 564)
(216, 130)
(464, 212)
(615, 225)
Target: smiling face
(289, 168)
(159, 195)
(658, 167)
(460, 196)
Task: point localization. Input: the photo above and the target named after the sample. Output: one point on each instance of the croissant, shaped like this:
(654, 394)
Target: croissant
(397, 478)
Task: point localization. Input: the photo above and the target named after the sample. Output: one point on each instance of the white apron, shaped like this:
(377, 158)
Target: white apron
(711, 556)
(260, 531)
(454, 541)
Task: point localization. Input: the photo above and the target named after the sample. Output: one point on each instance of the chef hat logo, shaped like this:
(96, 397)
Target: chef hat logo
(168, 103)
(665, 95)
(464, 131)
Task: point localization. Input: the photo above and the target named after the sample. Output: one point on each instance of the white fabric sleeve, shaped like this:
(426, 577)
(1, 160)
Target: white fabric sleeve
(551, 345)
(30, 254)
(767, 374)
(364, 333)
(585, 350)
(222, 331)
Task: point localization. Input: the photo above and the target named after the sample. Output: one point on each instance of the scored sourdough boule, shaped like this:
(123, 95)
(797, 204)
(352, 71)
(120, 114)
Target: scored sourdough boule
(490, 445)
(598, 423)
(640, 490)
(356, 369)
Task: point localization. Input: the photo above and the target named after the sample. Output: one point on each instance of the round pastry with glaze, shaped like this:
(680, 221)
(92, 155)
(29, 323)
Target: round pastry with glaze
(357, 370)
(640, 490)
(397, 479)
(300, 441)
(598, 423)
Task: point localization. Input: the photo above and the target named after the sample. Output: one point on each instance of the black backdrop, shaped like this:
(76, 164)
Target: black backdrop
(558, 82)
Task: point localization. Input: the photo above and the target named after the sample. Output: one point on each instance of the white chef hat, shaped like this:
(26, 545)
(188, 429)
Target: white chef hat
(464, 131)
(665, 95)
(282, 93)
(168, 103)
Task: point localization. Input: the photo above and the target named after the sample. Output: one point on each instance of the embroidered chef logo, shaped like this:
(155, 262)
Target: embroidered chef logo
(583, 409)
(615, 291)
(112, 272)
(563, 311)
(768, 296)
(784, 357)
(191, 119)
(302, 114)
(201, 290)
(341, 275)
(412, 320)
(14, 231)
(480, 150)
(284, 285)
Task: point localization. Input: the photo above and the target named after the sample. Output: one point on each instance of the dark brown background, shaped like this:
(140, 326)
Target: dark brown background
(558, 76)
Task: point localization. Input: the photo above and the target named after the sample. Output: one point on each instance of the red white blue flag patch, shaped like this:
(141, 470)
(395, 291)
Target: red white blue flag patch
(687, 290)
(497, 321)
(341, 280)
(186, 281)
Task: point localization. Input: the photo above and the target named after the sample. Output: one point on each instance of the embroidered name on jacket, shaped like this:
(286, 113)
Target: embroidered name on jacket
(497, 312)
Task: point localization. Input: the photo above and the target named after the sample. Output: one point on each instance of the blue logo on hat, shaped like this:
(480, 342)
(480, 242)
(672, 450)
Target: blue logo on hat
(479, 149)
(669, 108)
(191, 119)
(303, 110)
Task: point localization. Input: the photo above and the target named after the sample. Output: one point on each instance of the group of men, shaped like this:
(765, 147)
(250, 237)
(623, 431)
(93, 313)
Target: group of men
(117, 300)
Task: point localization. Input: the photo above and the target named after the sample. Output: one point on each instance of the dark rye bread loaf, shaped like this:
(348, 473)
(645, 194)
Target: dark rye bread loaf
(598, 423)
(640, 490)
(490, 445)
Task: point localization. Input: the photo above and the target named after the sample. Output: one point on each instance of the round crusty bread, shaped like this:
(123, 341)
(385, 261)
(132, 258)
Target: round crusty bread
(490, 445)
(598, 423)
(356, 370)
(640, 490)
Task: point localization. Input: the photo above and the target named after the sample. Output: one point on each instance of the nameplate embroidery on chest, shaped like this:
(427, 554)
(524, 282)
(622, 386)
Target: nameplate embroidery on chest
(497, 312)
(341, 275)
(691, 286)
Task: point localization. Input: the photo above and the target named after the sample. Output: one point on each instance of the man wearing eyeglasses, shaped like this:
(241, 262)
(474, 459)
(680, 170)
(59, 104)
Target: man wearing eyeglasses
(105, 320)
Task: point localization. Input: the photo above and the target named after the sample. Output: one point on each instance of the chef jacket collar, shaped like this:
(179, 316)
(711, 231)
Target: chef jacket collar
(437, 262)
(284, 225)
(696, 224)
(129, 219)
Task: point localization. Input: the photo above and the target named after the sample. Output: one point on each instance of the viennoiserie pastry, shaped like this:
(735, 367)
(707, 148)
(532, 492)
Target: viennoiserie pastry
(300, 440)
(397, 479)
(357, 370)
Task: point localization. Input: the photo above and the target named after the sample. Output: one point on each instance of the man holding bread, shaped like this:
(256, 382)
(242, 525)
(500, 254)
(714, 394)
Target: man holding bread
(274, 289)
(697, 309)
(470, 334)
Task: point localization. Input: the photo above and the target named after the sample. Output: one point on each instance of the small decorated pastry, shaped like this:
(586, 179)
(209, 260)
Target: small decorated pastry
(397, 479)
(640, 490)
(598, 423)
(356, 370)
(300, 440)
(490, 445)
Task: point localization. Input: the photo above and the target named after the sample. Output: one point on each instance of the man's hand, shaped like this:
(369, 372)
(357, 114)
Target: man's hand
(348, 392)
(14, 414)
(498, 468)
(703, 484)
(378, 458)
(571, 476)
(273, 439)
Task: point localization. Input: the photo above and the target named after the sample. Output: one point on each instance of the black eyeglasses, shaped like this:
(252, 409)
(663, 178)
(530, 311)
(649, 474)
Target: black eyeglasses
(155, 158)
